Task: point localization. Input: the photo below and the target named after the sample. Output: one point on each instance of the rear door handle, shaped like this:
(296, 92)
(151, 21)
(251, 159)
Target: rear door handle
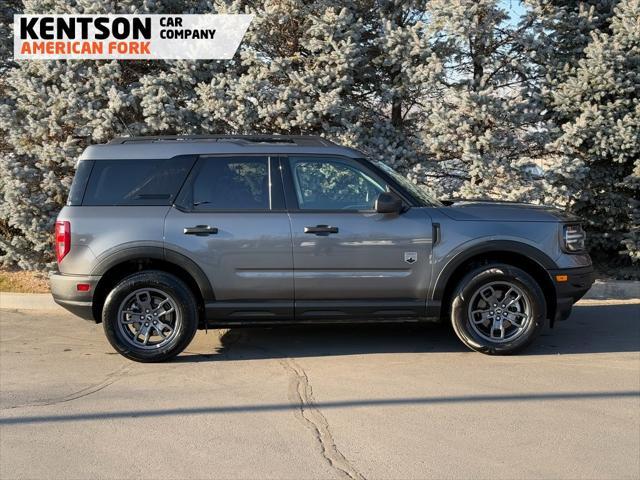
(200, 230)
(321, 230)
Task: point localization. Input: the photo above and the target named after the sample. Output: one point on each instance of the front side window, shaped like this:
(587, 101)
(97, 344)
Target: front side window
(229, 183)
(333, 184)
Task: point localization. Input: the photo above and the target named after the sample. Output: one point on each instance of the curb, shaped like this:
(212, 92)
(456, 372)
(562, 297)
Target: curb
(601, 290)
(614, 290)
(28, 301)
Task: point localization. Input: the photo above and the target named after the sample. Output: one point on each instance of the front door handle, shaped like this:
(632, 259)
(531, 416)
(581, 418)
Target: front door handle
(321, 230)
(200, 230)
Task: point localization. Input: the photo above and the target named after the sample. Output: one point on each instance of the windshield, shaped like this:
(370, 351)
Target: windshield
(414, 190)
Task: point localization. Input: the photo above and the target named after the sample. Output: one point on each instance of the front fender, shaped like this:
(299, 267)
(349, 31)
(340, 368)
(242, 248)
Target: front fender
(463, 253)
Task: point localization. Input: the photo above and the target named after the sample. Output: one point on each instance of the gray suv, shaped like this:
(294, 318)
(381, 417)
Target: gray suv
(165, 235)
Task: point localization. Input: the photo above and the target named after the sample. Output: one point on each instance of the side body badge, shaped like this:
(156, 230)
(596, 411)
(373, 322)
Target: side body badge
(411, 257)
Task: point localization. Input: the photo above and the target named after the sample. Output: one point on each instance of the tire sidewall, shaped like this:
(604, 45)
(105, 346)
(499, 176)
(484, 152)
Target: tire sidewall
(483, 276)
(170, 285)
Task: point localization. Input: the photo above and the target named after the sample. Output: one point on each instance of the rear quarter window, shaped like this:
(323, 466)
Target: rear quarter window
(136, 182)
(79, 184)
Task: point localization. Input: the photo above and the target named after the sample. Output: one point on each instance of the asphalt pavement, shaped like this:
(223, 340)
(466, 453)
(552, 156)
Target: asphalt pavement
(359, 402)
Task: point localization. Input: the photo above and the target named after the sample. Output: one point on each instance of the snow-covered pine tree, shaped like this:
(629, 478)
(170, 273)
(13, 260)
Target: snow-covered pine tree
(481, 127)
(354, 72)
(631, 238)
(7, 10)
(597, 109)
(53, 109)
(562, 30)
(449, 91)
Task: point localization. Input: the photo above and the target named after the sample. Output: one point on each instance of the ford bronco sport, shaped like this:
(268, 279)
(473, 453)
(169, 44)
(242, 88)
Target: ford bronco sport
(165, 235)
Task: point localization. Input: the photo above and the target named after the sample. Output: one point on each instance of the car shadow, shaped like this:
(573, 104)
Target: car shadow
(590, 329)
(593, 329)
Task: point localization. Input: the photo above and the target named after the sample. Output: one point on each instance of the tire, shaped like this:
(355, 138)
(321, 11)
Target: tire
(479, 318)
(167, 311)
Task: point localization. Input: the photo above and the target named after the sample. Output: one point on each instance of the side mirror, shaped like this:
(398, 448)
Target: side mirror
(388, 202)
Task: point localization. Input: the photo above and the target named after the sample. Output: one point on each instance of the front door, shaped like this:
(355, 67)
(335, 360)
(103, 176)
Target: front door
(230, 219)
(350, 261)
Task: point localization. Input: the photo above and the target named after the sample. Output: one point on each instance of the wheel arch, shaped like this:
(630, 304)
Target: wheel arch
(528, 258)
(125, 262)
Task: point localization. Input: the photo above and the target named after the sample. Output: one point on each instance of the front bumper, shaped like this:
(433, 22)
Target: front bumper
(578, 282)
(64, 289)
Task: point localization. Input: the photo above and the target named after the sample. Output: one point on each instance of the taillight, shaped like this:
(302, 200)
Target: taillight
(63, 239)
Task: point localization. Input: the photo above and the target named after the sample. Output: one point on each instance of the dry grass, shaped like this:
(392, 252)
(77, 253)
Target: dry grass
(23, 282)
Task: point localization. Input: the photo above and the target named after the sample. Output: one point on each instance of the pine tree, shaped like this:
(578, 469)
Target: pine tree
(53, 109)
(562, 30)
(354, 73)
(453, 93)
(597, 109)
(7, 10)
(481, 127)
(631, 239)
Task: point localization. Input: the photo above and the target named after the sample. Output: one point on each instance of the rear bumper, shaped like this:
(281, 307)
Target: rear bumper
(64, 289)
(579, 281)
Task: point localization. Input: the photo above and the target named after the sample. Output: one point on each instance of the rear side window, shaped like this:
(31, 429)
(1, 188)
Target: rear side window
(228, 183)
(79, 184)
(137, 182)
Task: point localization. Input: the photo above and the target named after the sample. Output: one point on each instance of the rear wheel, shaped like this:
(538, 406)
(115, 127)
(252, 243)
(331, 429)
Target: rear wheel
(498, 309)
(150, 316)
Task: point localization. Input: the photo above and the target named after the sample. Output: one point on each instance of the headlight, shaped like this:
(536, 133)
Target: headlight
(573, 238)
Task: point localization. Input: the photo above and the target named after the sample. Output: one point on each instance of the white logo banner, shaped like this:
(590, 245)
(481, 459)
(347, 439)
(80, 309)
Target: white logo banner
(128, 37)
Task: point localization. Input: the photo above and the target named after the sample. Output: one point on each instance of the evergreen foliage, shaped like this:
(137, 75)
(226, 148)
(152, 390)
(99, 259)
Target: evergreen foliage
(51, 110)
(456, 95)
(597, 109)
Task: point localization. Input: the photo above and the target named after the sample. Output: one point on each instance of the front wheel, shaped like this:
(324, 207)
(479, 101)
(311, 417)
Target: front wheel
(150, 316)
(498, 309)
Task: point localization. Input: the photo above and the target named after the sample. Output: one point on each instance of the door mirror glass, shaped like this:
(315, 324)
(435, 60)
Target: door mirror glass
(388, 202)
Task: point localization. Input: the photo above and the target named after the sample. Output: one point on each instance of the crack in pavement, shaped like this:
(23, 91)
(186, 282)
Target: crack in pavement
(110, 379)
(301, 392)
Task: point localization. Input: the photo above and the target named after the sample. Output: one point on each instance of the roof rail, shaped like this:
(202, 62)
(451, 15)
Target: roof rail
(302, 140)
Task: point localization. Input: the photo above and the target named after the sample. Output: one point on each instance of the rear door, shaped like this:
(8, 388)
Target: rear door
(230, 219)
(349, 260)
